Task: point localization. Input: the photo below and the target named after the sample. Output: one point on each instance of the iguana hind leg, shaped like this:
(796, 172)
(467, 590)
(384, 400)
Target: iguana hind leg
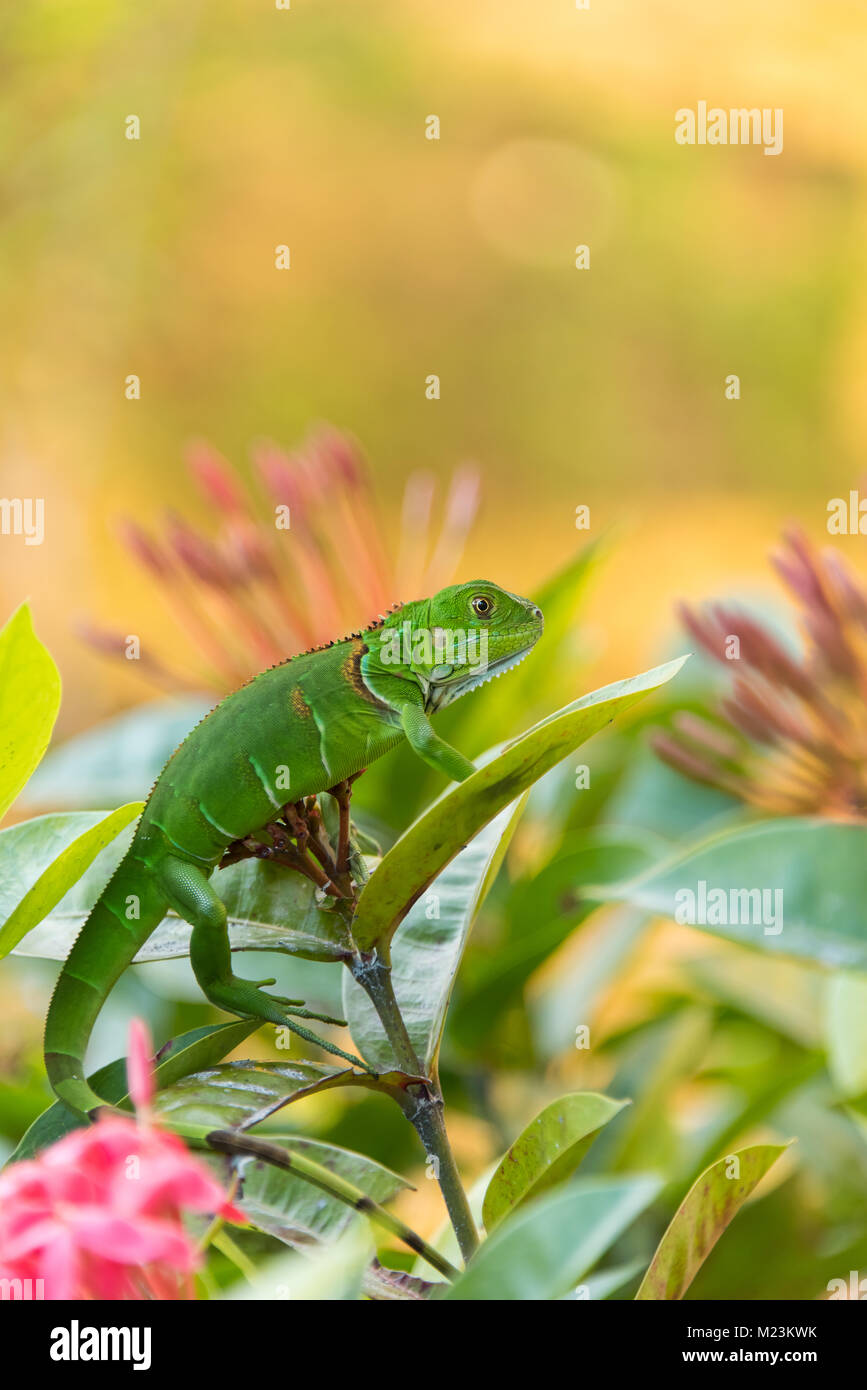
(191, 895)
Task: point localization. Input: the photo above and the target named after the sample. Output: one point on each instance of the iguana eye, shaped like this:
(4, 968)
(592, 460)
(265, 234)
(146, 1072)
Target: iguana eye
(481, 606)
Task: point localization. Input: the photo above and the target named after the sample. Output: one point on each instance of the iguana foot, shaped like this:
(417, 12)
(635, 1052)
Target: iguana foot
(280, 998)
(244, 998)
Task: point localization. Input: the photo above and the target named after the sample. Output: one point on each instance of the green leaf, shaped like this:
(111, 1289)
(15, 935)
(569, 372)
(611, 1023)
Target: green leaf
(120, 759)
(813, 874)
(712, 1202)
(547, 1152)
(846, 1032)
(332, 1274)
(548, 1246)
(243, 1093)
(29, 849)
(786, 995)
(571, 983)
(286, 1158)
(786, 1080)
(269, 908)
(385, 1285)
(663, 1054)
(29, 701)
(428, 950)
(650, 794)
(423, 852)
(598, 854)
(201, 1047)
(542, 910)
(299, 1214)
(17, 847)
(608, 1281)
(561, 595)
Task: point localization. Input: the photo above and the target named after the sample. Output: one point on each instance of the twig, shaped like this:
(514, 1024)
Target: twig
(244, 1145)
(423, 1106)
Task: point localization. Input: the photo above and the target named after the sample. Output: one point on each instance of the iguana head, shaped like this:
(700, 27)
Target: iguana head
(463, 636)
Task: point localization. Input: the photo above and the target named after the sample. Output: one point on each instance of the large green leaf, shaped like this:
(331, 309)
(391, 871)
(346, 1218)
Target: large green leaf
(608, 1281)
(787, 995)
(596, 854)
(428, 950)
(118, 760)
(542, 911)
(813, 874)
(659, 1056)
(71, 841)
(846, 1032)
(771, 1092)
(243, 1093)
(299, 1214)
(287, 1157)
(568, 988)
(711, 1203)
(650, 794)
(270, 908)
(29, 701)
(547, 1247)
(201, 1047)
(385, 1285)
(560, 596)
(547, 1152)
(333, 1273)
(437, 836)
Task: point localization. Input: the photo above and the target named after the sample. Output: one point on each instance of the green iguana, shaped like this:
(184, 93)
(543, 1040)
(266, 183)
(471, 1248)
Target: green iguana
(300, 728)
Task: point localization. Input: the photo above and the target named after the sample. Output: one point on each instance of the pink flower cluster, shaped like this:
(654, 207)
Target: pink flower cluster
(98, 1215)
(287, 558)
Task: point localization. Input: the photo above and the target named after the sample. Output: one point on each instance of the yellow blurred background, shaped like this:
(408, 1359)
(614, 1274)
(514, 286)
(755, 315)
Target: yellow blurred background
(412, 257)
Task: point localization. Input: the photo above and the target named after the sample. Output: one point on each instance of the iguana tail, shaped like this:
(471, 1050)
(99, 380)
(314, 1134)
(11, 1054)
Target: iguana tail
(129, 908)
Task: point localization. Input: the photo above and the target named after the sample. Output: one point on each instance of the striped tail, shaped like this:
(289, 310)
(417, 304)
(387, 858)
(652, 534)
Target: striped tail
(123, 917)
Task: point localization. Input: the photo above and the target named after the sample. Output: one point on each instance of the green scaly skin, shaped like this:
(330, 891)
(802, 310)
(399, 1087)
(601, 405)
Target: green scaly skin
(297, 729)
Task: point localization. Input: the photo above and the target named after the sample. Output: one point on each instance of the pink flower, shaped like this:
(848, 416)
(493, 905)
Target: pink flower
(287, 558)
(790, 735)
(99, 1213)
(139, 1068)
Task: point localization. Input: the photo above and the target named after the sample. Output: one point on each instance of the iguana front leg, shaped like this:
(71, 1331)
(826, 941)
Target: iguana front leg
(432, 749)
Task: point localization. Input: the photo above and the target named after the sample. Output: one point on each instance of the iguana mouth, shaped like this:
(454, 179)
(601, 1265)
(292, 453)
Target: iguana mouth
(443, 692)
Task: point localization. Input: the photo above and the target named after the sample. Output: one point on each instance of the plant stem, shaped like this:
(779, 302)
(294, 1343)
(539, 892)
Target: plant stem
(423, 1106)
(430, 1126)
(374, 976)
(223, 1242)
(219, 1221)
